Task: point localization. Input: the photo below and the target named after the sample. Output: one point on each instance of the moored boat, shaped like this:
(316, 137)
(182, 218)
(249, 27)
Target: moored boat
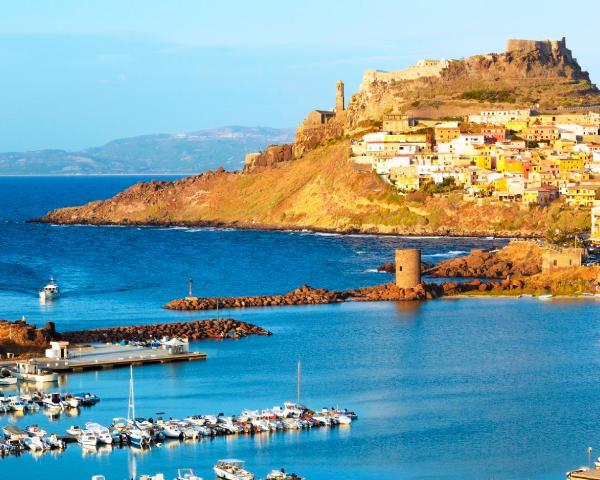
(232, 469)
(31, 372)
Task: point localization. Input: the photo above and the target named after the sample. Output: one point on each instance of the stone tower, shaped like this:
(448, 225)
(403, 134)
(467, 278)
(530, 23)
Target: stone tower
(339, 97)
(408, 267)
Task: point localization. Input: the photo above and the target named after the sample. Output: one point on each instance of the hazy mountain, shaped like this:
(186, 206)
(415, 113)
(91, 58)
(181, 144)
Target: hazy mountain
(161, 153)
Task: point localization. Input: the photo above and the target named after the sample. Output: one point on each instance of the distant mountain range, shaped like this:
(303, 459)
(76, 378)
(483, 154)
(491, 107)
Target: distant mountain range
(161, 153)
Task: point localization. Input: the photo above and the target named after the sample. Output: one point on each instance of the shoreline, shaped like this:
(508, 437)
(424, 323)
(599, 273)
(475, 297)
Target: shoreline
(290, 229)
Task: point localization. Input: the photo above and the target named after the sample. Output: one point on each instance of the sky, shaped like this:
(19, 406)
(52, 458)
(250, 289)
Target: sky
(77, 73)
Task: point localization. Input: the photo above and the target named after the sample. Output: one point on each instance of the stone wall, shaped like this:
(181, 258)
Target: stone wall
(423, 68)
(563, 258)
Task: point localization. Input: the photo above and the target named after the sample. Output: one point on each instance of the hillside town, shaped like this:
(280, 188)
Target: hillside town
(516, 156)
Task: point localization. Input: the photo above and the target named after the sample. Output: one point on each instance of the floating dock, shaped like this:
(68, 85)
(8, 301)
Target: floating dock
(107, 356)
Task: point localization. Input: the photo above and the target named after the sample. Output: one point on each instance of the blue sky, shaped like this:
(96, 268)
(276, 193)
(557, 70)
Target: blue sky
(78, 73)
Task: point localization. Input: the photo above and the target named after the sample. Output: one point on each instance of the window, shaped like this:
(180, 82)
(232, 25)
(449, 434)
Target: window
(555, 263)
(399, 268)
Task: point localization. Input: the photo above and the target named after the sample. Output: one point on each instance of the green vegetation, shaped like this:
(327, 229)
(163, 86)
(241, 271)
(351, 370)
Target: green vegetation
(447, 185)
(489, 95)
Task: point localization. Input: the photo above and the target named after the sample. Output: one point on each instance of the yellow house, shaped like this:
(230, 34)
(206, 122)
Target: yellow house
(517, 125)
(501, 185)
(583, 195)
(485, 161)
(571, 164)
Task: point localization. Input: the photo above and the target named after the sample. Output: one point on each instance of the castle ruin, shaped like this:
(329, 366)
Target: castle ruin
(408, 267)
(423, 68)
(545, 47)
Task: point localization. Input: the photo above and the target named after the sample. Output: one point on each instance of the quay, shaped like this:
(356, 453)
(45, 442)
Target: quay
(107, 356)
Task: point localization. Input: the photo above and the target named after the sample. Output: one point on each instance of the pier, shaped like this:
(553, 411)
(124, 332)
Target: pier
(107, 356)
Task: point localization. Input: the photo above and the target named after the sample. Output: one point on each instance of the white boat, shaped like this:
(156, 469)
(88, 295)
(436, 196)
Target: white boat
(545, 296)
(53, 402)
(7, 378)
(87, 439)
(186, 474)
(102, 433)
(74, 430)
(344, 420)
(282, 475)
(50, 291)
(54, 442)
(35, 444)
(171, 430)
(31, 372)
(232, 469)
(35, 431)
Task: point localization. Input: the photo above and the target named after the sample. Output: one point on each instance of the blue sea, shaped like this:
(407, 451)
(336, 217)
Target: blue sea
(452, 388)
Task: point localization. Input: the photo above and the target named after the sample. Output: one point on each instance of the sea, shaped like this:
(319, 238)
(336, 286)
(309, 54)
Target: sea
(470, 388)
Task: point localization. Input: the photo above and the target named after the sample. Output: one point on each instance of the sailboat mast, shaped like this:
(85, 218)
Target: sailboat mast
(298, 384)
(131, 405)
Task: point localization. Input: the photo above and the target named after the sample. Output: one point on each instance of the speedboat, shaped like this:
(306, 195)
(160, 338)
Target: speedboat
(54, 442)
(74, 430)
(232, 469)
(172, 430)
(35, 431)
(87, 439)
(6, 378)
(138, 437)
(186, 474)
(102, 433)
(282, 475)
(35, 444)
(50, 291)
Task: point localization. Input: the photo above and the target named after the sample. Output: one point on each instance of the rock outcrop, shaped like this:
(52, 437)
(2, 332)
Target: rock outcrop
(21, 338)
(194, 330)
(271, 155)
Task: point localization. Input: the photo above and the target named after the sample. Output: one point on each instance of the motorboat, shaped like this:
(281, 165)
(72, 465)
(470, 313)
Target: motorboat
(35, 444)
(35, 431)
(54, 442)
(50, 291)
(7, 378)
(71, 401)
(344, 419)
(31, 372)
(282, 475)
(102, 433)
(172, 430)
(86, 399)
(232, 469)
(138, 437)
(87, 439)
(186, 474)
(74, 430)
(12, 432)
(53, 402)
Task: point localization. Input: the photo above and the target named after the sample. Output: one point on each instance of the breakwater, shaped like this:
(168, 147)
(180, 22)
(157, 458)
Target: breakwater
(307, 295)
(194, 330)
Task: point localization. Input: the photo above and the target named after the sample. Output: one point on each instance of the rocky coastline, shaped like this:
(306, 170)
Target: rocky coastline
(25, 340)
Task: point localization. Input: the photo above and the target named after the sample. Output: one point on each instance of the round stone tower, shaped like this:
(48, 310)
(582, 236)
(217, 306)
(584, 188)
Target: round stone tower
(408, 267)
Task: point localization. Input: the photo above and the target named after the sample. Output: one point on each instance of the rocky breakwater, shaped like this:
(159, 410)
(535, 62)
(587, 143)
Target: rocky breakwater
(194, 330)
(22, 339)
(304, 295)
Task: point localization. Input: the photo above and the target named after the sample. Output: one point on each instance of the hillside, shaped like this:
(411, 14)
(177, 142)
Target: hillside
(320, 191)
(528, 73)
(161, 153)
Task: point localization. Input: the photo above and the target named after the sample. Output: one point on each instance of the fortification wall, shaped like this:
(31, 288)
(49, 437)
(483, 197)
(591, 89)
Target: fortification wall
(546, 47)
(423, 68)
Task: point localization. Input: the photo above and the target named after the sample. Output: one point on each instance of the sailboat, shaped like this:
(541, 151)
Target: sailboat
(135, 435)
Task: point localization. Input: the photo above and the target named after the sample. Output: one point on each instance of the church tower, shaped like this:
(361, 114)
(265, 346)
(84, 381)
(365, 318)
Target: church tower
(339, 97)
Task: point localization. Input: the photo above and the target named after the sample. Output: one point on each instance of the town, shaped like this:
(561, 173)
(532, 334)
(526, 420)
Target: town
(519, 156)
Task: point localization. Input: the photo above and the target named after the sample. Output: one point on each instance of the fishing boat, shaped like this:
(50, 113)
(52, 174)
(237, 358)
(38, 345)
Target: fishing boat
(31, 372)
(53, 402)
(232, 469)
(50, 291)
(186, 474)
(135, 435)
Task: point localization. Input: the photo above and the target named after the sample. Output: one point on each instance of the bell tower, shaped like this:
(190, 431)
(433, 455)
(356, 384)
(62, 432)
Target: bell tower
(339, 97)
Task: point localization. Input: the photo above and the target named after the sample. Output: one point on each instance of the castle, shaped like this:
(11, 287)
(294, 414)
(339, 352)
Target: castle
(433, 68)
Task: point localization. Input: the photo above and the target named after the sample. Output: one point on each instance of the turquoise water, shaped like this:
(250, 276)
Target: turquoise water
(469, 388)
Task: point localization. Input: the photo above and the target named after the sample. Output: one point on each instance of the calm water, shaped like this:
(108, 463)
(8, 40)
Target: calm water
(475, 388)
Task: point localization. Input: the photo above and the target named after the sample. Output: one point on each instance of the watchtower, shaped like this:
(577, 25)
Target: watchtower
(339, 97)
(408, 267)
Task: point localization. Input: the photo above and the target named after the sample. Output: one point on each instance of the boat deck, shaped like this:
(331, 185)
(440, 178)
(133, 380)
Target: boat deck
(106, 356)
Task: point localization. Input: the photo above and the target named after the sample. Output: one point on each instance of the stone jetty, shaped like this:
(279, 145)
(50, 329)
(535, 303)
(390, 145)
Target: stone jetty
(194, 330)
(304, 295)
